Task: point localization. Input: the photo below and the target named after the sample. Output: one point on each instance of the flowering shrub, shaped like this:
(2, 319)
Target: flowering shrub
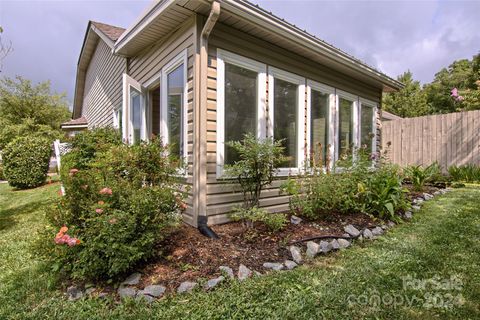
(119, 204)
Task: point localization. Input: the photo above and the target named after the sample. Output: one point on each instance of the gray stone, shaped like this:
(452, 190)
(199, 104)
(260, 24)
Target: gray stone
(415, 208)
(417, 201)
(312, 249)
(408, 215)
(228, 271)
(296, 254)
(132, 279)
(89, 291)
(213, 282)
(367, 234)
(74, 293)
(324, 247)
(343, 243)
(142, 296)
(273, 265)
(243, 272)
(289, 264)
(295, 220)
(390, 224)
(126, 292)
(186, 286)
(436, 193)
(334, 245)
(377, 231)
(346, 235)
(154, 290)
(427, 196)
(351, 230)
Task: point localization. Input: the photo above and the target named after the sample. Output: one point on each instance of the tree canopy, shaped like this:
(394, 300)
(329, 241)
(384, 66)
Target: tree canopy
(455, 88)
(26, 108)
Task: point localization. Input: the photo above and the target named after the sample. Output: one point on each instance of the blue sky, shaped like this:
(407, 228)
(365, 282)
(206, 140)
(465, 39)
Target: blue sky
(393, 36)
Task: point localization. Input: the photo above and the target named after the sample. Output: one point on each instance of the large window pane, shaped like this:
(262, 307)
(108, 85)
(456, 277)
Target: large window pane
(285, 119)
(175, 84)
(136, 115)
(240, 106)
(319, 125)
(346, 126)
(367, 133)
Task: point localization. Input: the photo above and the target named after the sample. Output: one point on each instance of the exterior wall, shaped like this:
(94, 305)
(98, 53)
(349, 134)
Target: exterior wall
(223, 195)
(103, 86)
(146, 67)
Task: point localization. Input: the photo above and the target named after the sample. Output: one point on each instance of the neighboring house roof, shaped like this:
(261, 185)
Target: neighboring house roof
(81, 122)
(387, 116)
(95, 31)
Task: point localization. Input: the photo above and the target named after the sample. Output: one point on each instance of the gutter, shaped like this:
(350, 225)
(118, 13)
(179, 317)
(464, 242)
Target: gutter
(201, 168)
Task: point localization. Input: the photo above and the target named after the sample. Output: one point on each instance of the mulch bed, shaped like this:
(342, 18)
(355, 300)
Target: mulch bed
(187, 255)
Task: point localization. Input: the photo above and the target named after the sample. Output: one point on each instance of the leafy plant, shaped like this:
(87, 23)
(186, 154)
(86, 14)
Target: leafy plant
(119, 205)
(467, 173)
(26, 161)
(259, 160)
(273, 221)
(419, 176)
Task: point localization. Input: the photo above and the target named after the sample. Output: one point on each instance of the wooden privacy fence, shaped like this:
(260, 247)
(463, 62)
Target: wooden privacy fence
(449, 139)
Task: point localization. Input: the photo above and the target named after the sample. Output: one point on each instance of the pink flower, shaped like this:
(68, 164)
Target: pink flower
(72, 172)
(459, 98)
(63, 239)
(73, 242)
(99, 211)
(101, 202)
(106, 191)
(454, 92)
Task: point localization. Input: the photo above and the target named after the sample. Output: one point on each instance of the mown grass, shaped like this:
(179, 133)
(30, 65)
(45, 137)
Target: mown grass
(441, 242)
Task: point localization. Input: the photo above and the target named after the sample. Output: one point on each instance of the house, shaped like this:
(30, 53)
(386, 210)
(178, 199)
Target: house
(202, 72)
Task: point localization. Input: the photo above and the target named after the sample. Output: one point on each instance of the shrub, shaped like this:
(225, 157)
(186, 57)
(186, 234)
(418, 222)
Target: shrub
(419, 175)
(2, 177)
(26, 161)
(356, 186)
(259, 160)
(120, 206)
(273, 221)
(467, 173)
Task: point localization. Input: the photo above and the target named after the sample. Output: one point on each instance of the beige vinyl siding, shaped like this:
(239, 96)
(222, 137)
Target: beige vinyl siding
(103, 86)
(147, 66)
(223, 195)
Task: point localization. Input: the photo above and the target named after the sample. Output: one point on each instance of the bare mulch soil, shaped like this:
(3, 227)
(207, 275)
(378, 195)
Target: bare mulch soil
(187, 255)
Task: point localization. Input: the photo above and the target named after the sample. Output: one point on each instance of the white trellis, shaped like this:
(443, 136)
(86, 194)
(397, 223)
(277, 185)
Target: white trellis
(60, 150)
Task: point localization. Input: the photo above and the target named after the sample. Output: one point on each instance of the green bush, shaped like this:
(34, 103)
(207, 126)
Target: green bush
(259, 160)
(467, 173)
(419, 176)
(354, 186)
(273, 221)
(2, 177)
(26, 161)
(119, 206)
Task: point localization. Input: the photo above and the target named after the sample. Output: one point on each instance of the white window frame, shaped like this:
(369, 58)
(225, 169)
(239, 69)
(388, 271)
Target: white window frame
(374, 106)
(356, 129)
(180, 59)
(223, 57)
(127, 127)
(313, 85)
(116, 117)
(300, 81)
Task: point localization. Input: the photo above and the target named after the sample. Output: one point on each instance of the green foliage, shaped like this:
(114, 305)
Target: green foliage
(409, 101)
(2, 177)
(249, 216)
(435, 97)
(354, 186)
(467, 173)
(419, 176)
(9, 132)
(20, 100)
(120, 204)
(26, 161)
(259, 160)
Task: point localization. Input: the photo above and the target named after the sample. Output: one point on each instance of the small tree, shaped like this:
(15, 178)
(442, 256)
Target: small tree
(259, 160)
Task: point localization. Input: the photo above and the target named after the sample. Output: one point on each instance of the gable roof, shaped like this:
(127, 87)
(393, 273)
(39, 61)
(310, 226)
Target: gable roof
(75, 123)
(95, 31)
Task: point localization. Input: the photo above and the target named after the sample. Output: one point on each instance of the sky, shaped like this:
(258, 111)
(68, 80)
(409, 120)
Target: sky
(392, 36)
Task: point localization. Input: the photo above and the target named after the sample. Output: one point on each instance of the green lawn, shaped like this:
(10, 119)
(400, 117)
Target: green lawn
(442, 242)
